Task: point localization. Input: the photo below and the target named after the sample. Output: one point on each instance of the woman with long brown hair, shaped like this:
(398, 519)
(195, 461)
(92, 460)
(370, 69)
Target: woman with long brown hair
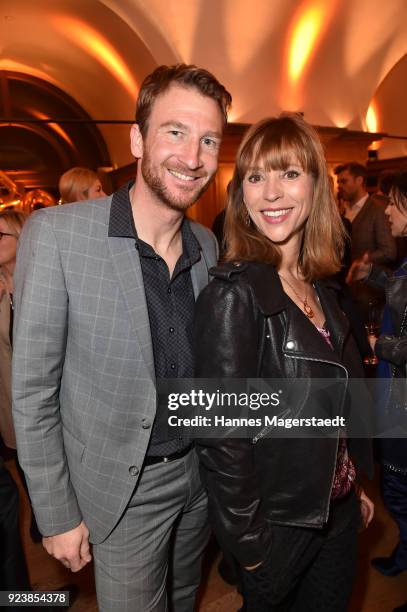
(286, 509)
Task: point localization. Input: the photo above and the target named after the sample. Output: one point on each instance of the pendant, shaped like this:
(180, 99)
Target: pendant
(308, 310)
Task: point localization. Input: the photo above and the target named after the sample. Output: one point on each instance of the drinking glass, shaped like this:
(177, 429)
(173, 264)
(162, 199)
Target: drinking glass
(372, 327)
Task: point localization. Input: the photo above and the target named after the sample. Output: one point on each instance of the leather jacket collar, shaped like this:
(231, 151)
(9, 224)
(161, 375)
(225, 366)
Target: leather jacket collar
(300, 334)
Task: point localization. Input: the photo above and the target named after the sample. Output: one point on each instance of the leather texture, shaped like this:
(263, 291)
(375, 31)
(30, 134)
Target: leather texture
(247, 327)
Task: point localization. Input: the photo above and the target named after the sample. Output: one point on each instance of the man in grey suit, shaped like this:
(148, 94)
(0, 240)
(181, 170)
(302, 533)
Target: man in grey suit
(104, 297)
(371, 235)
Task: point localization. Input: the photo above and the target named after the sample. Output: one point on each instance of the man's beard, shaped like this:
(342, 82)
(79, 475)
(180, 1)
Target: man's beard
(158, 187)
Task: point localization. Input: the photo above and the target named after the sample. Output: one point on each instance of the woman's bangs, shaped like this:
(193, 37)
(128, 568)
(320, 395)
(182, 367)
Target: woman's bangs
(399, 199)
(276, 151)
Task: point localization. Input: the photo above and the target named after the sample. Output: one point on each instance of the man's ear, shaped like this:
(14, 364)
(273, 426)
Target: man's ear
(136, 141)
(359, 181)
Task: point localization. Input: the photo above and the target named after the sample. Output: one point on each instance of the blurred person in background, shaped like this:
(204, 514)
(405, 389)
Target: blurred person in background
(11, 223)
(391, 348)
(370, 229)
(13, 570)
(79, 184)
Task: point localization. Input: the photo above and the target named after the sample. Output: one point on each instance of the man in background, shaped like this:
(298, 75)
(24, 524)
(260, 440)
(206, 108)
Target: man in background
(371, 235)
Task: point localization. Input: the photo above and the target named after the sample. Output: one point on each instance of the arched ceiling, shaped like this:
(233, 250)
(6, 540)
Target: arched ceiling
(326, 58)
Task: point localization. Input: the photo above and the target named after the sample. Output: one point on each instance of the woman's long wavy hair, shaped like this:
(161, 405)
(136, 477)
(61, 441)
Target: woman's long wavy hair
(274, 144)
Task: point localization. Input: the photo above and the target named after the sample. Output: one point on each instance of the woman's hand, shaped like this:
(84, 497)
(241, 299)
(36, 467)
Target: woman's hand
(366, 508)
(359, 270)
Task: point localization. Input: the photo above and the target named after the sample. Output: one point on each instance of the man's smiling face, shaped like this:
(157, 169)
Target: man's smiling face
(179, 154)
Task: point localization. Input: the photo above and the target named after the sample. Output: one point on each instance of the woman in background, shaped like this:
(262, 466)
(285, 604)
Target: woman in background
(391, 348)
(80, 184)
(287, 509)
(11, 223)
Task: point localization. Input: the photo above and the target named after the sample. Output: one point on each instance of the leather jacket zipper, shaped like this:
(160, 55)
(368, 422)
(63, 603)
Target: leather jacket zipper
(263, 431)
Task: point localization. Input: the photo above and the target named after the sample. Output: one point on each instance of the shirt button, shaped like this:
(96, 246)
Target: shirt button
(146, 424)
(133, 470)
(172, 330)
(172, 366)
(169, 290)
(290, 344)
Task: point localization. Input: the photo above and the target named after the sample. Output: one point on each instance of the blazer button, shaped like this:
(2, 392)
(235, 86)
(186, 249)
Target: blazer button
(146, 424)
(133, 470)
(290, 344)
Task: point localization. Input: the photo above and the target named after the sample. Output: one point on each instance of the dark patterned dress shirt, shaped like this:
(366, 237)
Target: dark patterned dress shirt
(170, 303)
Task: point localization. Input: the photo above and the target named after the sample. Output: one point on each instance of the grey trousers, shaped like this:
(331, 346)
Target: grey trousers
(164, 528)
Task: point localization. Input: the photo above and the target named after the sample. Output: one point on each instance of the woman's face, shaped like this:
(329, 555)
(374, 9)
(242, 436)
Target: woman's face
(96, 191)
(8, 244)
(397, 218)
(278, 201)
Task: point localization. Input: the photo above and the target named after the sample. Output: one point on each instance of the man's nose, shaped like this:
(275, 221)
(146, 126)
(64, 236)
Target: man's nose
(190, 154)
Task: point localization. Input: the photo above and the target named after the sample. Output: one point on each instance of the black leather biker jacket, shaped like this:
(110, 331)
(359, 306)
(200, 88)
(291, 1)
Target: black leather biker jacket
(247, 327)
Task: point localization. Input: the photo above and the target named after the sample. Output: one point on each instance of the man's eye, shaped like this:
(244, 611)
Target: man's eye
(210, 142)
(175, 133)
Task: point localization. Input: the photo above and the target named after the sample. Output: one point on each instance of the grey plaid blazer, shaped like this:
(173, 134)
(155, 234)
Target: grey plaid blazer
(83, 368)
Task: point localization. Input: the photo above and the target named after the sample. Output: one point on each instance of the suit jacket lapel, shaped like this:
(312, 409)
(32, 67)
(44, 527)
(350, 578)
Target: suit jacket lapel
(199, 275)
(126, 263)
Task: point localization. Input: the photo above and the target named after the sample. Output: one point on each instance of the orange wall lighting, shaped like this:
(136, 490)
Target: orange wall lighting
(305, 32)
(371, 121)
(91, 41)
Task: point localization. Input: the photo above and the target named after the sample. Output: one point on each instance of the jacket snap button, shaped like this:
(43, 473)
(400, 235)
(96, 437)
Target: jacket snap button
(290, 344)
(146, 424)
(133, 470)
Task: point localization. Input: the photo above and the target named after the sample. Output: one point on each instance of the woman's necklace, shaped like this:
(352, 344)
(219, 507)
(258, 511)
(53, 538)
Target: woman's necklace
(305, 306)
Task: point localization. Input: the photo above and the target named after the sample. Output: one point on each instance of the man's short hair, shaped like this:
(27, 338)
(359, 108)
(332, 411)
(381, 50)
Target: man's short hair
(339, 168)
(184, 75)
(354, 168)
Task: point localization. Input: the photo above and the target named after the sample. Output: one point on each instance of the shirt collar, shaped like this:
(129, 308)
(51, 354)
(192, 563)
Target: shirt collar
(121, 224)
(360, 203)
(352, 211)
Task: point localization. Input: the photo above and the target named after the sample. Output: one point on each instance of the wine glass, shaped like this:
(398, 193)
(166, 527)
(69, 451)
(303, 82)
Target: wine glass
(372, 327)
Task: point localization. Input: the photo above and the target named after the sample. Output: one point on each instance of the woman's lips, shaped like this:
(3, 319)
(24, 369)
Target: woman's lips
(275, 216)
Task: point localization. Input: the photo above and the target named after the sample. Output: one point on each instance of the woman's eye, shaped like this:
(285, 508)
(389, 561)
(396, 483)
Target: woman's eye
(291, 174)
(254, 178)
